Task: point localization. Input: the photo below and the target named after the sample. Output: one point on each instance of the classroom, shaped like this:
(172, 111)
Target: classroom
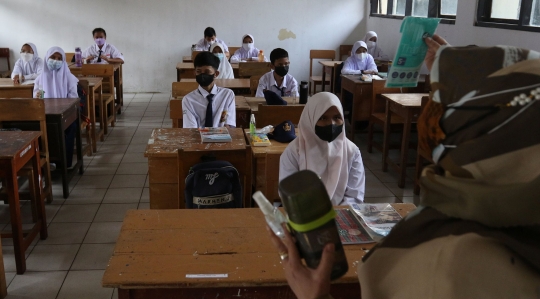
(135, 136)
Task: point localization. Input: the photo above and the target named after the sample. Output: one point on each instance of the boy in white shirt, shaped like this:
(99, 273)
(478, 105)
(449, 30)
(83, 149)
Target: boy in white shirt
(102, 52)
(208, 105)
(209, 39)
(278, 80)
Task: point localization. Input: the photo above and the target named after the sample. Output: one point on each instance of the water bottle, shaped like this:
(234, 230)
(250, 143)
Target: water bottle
(272, 214)
(312, 219)
(252, 126)
(303, 92)
(78, 56)
(41, 92)
(294, 97)
(261, 56)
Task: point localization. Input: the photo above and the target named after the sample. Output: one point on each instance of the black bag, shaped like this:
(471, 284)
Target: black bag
(213, 185)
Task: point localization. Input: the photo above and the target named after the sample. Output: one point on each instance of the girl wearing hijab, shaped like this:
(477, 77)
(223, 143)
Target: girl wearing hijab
(248, 51)
(29, 65)
(373, 48)
(360, 61)
(225, 68)
(322, 147)
(57, 81)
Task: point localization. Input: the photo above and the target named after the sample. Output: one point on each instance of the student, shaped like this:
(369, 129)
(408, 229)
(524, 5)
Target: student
(373, 47)
(278, 79)
(29, 65)
(208, 105)
(58, 82)
(322, 147)
(247, 52)
(225, 69)
(209, 38)
(102, 52)
(360, 62)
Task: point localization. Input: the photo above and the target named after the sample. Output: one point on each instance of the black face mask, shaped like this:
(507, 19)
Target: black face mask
(328, 133)
(281, 70)
(204, 79)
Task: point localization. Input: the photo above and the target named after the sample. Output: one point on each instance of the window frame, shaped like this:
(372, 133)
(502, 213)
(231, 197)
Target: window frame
(484, 19)
(434, 11)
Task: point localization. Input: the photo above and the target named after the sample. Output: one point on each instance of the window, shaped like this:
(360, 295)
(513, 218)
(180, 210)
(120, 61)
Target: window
(509, 14)
(445, 9)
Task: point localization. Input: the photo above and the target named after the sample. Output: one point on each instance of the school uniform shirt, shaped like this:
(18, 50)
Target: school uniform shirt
(59, 83)
(354, 65)
(245, 54)
(203, 45)
(194, 106)
(268, 82)
(108, 50)
(30, 69)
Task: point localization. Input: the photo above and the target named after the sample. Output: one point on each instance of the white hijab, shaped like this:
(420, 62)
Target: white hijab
(225, 68)
(329, 160)
(56, 84)
(376, 51)
(33, 66)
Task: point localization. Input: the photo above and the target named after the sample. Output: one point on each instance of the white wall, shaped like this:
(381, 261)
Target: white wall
(461, 34)
(154, 35)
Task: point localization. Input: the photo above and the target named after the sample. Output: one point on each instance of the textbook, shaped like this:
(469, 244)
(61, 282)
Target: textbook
(350, 229)
(379, 218)
(260, 139)
(215, 135)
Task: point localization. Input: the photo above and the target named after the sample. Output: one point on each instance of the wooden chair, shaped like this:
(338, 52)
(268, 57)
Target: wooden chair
(254, 84)
(195, 53)
(31, 110)
(272, 176)
(20, 91)
(274, 114)
(421, 155)
(69, 57)
(240, 159)
(345, 50)
(84, 124)
(249, 69)
(232, 50)
(104, 101)
(179, 89)
(3, 284)
(318, 55)
(378, 111)
(4, 53)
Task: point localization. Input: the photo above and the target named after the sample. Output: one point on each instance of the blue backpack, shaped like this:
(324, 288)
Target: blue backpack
(213, 185)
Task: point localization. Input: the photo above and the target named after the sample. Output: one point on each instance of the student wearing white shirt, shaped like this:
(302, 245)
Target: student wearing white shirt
(209, 39)
(360, 62)
(247, 52)
(102, 52)
(371, 40)
(29, 65)
(208, 105)
(278, 80)
(322, 147)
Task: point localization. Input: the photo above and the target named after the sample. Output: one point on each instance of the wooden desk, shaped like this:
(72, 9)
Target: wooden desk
(156, 249)
(95, 87)
(408, 106)
(60, 114)
(361, 98)
(162, 154)
(3, 283)
(10, 90)
(187, 70)
(243, 112)
(254, 102)
(332, 66)
(187, 59)
(16, 149)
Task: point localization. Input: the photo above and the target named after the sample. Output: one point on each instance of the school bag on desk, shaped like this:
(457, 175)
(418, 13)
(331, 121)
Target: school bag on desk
(213, 185)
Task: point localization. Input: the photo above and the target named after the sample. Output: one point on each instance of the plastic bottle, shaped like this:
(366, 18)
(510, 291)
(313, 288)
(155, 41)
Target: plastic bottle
(312, 219)
(252, 126)
(78, 56)
(294, 97)
(193, 48)
(41, 92)
(303, 92)
(273, 215)
(21, 80)
(265, 130)
(261, 56)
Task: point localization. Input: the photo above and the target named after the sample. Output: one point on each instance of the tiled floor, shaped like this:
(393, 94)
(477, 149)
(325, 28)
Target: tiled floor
(83, 229)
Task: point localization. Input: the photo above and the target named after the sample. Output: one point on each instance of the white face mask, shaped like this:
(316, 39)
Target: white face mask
(247, 46)
(212, 42)
(361, 56)
(371, 44)
(27, 56)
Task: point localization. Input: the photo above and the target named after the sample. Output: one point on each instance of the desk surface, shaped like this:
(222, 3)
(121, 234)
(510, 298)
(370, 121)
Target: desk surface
(8, 83)
(157, 248)
(189, 66)
(406, 99)
(74, 66)
(241, 103)
(92, 81)
(227, 83)
(166, 142)
(329, 63)
(11, 142)
(275, 147)
(59, 106)
(254, 102)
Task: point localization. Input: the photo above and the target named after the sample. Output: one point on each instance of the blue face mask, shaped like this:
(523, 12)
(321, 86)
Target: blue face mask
(220, 56)
(54, 65)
